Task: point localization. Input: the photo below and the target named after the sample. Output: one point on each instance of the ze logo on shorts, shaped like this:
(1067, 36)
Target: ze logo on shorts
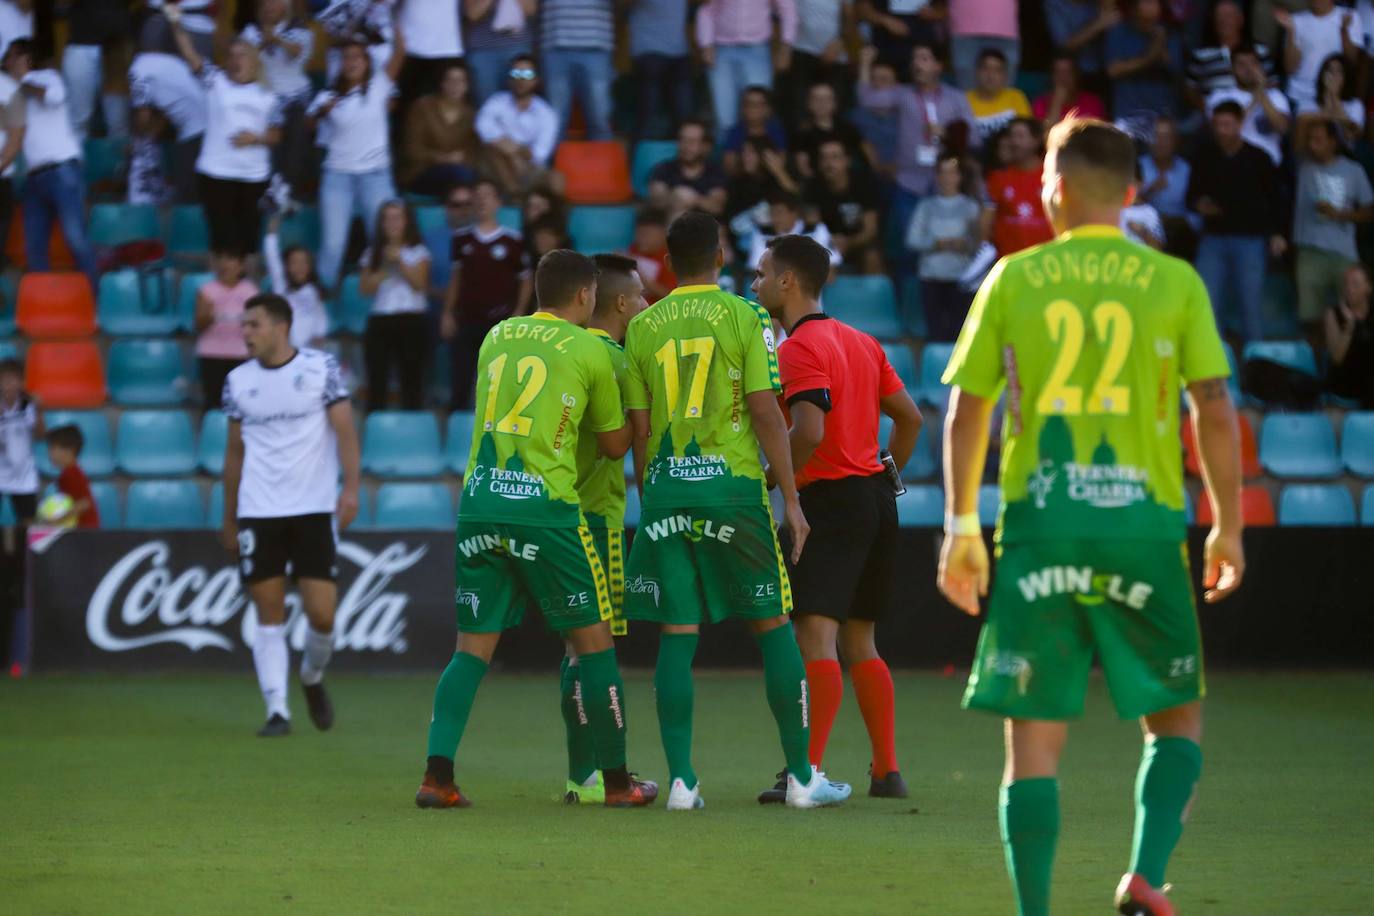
(1183, 667)
(1087, 587)
(464, 598)
(758, 593)
(567, 602)
(642, 586)
(695, 529)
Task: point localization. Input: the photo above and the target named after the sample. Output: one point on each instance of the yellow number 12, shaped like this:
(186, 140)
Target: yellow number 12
(1112, 326)
(532, 373)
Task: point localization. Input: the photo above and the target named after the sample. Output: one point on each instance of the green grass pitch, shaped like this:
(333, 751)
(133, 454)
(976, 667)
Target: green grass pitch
(151, 795)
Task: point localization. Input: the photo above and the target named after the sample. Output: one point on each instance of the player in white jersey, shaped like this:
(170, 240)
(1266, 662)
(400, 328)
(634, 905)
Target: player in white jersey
(290, 429)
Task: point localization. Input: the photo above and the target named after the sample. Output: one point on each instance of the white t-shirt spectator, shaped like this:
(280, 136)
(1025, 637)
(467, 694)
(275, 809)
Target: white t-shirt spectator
(309, 320)
(430, 28)
(1318, 37)
(535, 128)
(285, 73)
(18, 473)
(232, 107)
(1145, 216)
(817, 232)
(357, 130)
(1354, 110)
(165, 82)
(1256, 128)
(196, 15)
(395, 295)
(14, 23)
(48, 137)
(12, 114)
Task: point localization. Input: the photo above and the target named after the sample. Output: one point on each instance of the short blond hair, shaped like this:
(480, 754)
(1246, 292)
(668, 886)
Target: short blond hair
(1097, 159)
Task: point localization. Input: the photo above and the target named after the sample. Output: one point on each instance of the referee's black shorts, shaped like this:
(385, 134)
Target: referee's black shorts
(849, 561)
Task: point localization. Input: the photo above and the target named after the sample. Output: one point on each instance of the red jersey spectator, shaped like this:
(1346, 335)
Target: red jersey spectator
(1066, 95)
(1017, 216)
(650, 251)
(64, 447)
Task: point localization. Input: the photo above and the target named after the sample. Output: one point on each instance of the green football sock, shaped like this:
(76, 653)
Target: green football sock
(581, 751)
(453, 702)
(675, 695)
(1169, 770)
(784, 675)
(603, 699)
(1030, 828)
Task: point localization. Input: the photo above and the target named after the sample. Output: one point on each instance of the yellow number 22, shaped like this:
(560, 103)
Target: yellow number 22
(1113, 327)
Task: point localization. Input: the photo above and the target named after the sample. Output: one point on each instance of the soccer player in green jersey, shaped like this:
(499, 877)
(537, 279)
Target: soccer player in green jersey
(543, 382)
(1091, 336)
(704, 398)
(601, 487)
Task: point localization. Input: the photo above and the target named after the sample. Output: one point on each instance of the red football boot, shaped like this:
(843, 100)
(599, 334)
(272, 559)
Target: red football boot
(1135, 897)
(640, 794)
(434, 795)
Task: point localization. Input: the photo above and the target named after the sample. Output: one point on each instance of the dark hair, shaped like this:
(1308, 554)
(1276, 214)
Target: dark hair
(458, 64)
(651, 216)
(1245, 49)
(558, 207)
(615, 268)
(484, 180)
(276, 307)
(68, 436)
(693, 242)
(339, 88)
(1229, 108)
(523, 56)
(21, 46)
(803, 256)
(1037, 130)
(1061, 54)
(757, 90)
(313, 279)
(697, 122)
(410, 235)
(832, 139)
(11, 366)
(937, 51)
(1089, 145)
(785, 199)
(560, 274)
(1328, 126)
(991, 53)
(1347, 77)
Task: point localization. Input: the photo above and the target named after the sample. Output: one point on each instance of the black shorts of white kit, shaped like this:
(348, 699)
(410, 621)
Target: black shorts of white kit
(849, 560)
(307, 542)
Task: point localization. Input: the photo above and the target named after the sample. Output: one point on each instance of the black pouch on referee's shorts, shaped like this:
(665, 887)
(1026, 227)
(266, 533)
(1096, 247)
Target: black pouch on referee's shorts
(894, 476)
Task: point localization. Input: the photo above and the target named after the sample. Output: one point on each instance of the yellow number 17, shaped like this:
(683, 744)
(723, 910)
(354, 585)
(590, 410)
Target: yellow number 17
(703, 348)
(1113, 327)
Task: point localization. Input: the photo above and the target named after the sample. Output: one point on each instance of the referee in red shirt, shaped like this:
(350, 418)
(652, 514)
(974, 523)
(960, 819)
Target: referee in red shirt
(835, 381)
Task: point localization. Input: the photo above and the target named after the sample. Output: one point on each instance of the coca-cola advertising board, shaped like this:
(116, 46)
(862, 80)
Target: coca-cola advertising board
(149, 600)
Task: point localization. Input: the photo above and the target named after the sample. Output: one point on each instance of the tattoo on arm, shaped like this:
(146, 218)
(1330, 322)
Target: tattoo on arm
(1212, 389)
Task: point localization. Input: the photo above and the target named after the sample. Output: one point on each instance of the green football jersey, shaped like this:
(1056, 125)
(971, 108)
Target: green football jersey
(694, 355)
(542, 384)
(601, 480)
(1091, 335)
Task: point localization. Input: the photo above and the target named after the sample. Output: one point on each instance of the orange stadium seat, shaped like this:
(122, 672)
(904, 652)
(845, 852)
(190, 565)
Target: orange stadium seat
(1249, 452)
(59, 255)
(596, 171)
(56, 305)
(66, 373)
(1256, 508)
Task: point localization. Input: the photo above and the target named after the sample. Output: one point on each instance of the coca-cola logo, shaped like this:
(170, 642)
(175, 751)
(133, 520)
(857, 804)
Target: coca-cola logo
(143, 601)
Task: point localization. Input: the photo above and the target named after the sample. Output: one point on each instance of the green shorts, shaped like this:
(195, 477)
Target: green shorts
(1056, 603)
(501, 568)
(610, 547)
(704, 564)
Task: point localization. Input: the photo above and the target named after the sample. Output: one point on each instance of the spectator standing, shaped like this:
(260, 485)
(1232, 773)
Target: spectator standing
(64, 451)
(1016, 216)
(458, 208)
(898, 26)
(20, 423)
(822, 124)
(16, 21)
(1350, 340)
(762, 176)
(994, 102)
(544, 204)
(1336, 103)
(441, 146)
(1235, 188)
(690, 181)
(497, 31)
(1267, 113)
(785, 218)
(661, 66)
(196, 18)
(293, 277)
(818, 53)
(650, 251)
(577, 38)
(92, 26)
(285, 46)
(1313, 36)
(979, 25)
(163, 86)
(433, 36)
(219, 317)
(880, 127)
(1142, 57)
(395, 273)
(756, 122)
(1333, 196)
(356, 177)
(1164, 180)
(368, 22)
(1211, 69)
(519, 128)
(13, 114)
(848, 204)
(1066, 94)
(734, 37)
(944, 231)
(54, 187)
(1079, 27)
(491, 281)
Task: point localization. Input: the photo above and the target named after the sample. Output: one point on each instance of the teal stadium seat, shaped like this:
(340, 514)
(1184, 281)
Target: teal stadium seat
(1234, 381)
(187, 288)
(9, 300)
(903, 363)
(1316, 504)
(97, 454)
(595, 230)
(214, 515)
(1357, 444)
(647, 155)
(921, 506)
(458, 440)
(866, 302)
(214, 434)
(430, 218)
(130, 304)
(989, 498)
(106, 496)
(147, 373)
(1367, 509)
(924, 462)
(930, 390)
(352, 307)
(511, 218)
(155, 443)
(187, 233)
(164, 504)
(418, 506)
(1299, 446)
(7, 519)
(301, 228)
(115, 224)
(105, 158)
(1295, 354)
(402, 443)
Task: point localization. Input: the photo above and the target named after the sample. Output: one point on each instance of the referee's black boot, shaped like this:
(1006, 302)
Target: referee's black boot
(778, 794)
(321, 710)
(890, 786)
(276, 727)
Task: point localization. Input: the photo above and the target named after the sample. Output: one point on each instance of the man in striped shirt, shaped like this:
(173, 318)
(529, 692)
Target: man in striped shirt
(578, 39)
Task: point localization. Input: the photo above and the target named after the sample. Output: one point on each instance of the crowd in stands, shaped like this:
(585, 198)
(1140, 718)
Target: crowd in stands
(435, 149)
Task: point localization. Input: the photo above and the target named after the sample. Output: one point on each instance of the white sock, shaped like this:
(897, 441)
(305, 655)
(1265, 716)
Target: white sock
(271, 659)
(318, 648)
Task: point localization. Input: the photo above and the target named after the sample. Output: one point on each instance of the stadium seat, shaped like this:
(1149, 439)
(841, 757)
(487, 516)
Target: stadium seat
(106, 496)
(1295, 354)
(1299, 445)
(903, 363)
(1320, 504)
(599, 229)
(9, 301)
(866, 302)
(134, 304)
(105, 158)
(633, 508)
(402, 443)
(924, 461)
(421, 506)
(116, 224)
(930, 390)
(214, 515)
(56, 305)
(187, 233)
(511, 218)
(166, 504)
(301, 228)
(145, 373)
(155, 443)
(1367, 509)
(352, 307)
(1256, 508)
(989, 500)
(97, 454)
(1234, 381)
(59, 255)
(7, 519)
(66, 373)
(594, 171)
(648, 154)
(430, 218)
(187, 288)
(458, 440)
(921, 507)
(1357, 444)
(214, 433)
(1249, 453)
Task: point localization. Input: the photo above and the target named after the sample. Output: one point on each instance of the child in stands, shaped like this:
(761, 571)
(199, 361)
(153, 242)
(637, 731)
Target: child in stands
(20, 422)
(293, 275)
(64, 448)
(219, 311)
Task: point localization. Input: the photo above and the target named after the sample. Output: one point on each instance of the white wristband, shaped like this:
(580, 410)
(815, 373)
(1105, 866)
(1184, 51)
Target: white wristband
(963, 526)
